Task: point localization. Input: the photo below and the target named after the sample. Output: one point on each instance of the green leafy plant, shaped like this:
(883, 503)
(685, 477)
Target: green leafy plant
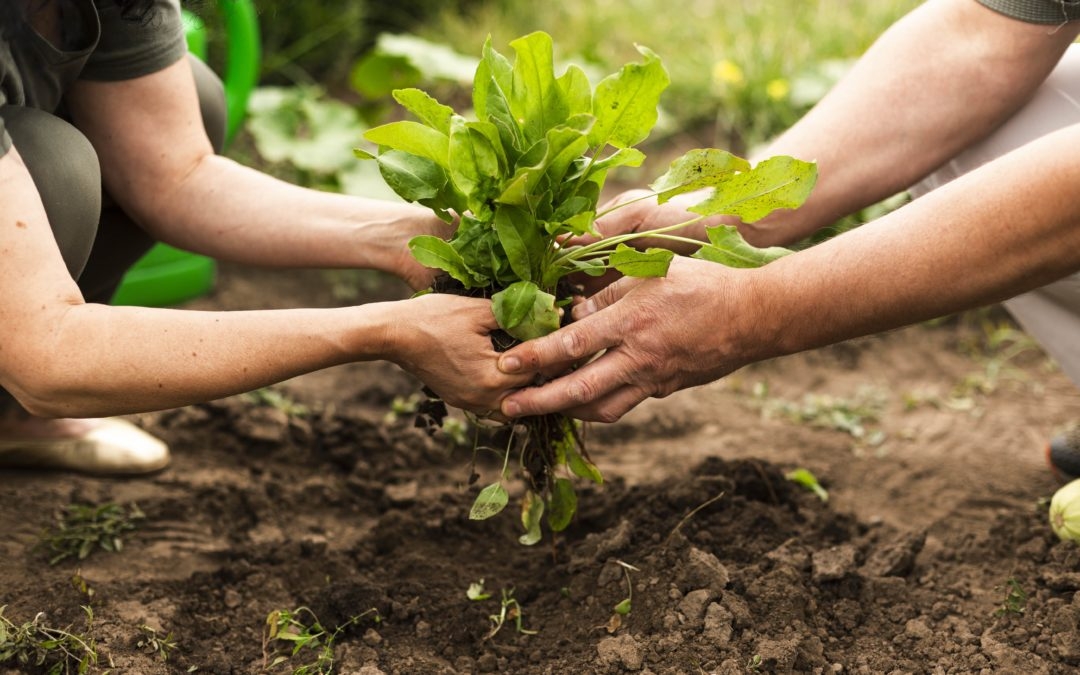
(509, 610)
(82, 528)
(525, 179)
(808, 480)
(1015, 599)
(154, 643)
(60, 651)
(297, 633)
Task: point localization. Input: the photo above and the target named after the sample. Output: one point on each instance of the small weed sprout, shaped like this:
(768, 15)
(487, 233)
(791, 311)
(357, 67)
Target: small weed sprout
(1015, 599)
(753, 664)
(272, 398)
(289, 627)
(476, 591)
(626, 604)
(808, 480)
(36, 644)
(153, 643)
(509, 609)
(81, 528)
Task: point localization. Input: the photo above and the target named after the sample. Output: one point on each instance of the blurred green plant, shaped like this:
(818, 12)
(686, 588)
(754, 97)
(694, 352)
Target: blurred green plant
(752, 67)
(80, 529)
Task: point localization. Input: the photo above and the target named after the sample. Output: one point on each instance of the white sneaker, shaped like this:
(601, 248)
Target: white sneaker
(113, 446)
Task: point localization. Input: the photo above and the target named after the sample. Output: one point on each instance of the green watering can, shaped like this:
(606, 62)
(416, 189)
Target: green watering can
(167, 275)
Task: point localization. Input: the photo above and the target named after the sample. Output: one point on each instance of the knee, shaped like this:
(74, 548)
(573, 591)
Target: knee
(66, 172)
(211, 102)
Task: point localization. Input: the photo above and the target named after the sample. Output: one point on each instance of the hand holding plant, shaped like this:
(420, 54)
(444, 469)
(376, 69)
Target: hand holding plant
(526, 175)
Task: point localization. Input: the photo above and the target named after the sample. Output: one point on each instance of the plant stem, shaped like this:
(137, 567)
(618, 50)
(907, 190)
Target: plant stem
(611, 242)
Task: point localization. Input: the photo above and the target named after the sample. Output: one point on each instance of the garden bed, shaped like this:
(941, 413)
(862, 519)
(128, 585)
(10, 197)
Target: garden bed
(931, 555)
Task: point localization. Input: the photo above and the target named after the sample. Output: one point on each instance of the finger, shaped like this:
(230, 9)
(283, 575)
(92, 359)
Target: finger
(575, 390)
(612, 407)
(606, 297)
(566, 345)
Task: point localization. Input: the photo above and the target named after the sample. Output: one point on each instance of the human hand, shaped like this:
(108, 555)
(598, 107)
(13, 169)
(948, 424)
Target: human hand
(660, 335)
(405, 266)
(445, 341)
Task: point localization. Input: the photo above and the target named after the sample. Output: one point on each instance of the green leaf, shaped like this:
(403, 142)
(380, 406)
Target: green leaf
(427, 109)
(625, 103)
(376, 75)
(727, 247)
(623, 608)
(562, 505)
(437, 253)
(413, 178)
(777, 183)
(474, 166)
(520, 237)
(653, 262)
(582, 467)
(414, 138)
(478, 243)
(524, 311)
(476, 591)
(809, 481)
(536, 99)
(489, 502)
(532, 510)
(695, 170)
(577, 90)
(565, 144)
(623, 157)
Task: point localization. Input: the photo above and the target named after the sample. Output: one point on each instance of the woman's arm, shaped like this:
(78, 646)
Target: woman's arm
(61, 357)
(159, 166)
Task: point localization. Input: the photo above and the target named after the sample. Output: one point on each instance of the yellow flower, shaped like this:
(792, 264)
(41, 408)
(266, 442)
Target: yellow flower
(727, 72)
(777, 89)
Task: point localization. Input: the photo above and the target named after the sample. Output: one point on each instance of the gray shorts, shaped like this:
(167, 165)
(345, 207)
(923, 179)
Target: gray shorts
(1051, 314)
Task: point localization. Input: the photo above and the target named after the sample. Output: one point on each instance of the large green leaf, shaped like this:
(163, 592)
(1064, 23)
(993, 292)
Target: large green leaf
(427, 109)
(626, 102)
(653, 262)
(727, 247)
(436, 253)
(695, 170)
(413, 137)
(577, 90)
(520, 237)
(524, 311)
(536, 99)
(474, 164)
(562, 505)
(478, 243)
(413, 178)
(777, 183)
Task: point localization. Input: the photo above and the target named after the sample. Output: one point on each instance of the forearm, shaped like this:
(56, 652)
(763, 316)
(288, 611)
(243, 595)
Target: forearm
(940, 79)
(232, 212)
(98, 360)
(1008, 227)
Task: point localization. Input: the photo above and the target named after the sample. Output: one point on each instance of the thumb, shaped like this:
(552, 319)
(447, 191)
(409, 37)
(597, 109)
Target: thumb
(607, 296)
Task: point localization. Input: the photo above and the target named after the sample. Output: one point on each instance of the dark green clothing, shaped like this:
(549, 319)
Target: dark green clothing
(99, 45)
(1037, 11)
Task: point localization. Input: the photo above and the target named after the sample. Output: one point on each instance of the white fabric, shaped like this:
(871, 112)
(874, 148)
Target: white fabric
(1050, 314)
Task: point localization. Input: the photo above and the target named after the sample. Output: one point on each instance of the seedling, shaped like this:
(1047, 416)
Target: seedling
(82, 528)
(809, 481)
(1015, 599)
(525, 178)
(272, 398)
(476, 591)
(509, 609)
(290, 628)
(753, 664)
(61, 651)
(154, 643)
(623, 608)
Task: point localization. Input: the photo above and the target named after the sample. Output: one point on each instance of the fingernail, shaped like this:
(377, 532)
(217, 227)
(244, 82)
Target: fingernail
(509, 364)
(511, 409)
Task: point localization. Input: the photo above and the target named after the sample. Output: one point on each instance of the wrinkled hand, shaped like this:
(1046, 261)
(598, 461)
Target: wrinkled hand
(660, 335)
(445, 340)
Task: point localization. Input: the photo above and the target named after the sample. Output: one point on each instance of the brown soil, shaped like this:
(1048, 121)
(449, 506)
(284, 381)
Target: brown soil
(906, 569)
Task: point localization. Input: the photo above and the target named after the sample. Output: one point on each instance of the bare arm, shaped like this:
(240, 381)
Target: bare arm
(158, 164)
(1003, 229)
(937, 81)
(62, 357)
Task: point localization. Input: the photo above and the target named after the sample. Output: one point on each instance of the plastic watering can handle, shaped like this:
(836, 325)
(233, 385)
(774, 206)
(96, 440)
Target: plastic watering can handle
(242, 56)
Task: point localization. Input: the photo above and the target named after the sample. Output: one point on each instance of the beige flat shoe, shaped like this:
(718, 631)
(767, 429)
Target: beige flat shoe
(114, 446)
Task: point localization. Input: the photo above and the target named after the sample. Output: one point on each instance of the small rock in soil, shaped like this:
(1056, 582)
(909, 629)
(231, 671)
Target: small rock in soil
(694, 604)
(704, 570)
(717, 626)
(623, 651)
(896, 559)
(833, 564)
(403, 494)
